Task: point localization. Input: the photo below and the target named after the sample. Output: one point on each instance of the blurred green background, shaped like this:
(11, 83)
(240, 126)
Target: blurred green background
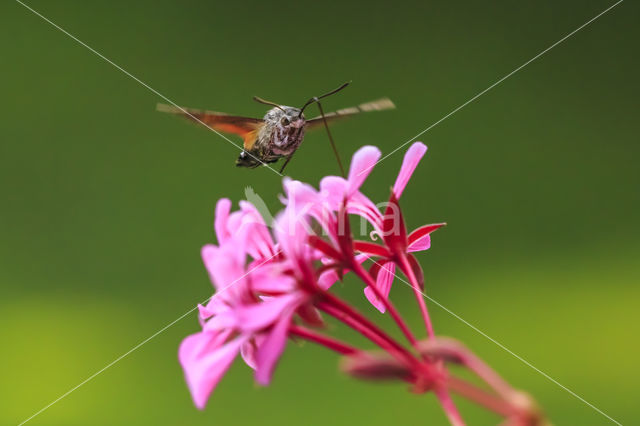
(106, 203)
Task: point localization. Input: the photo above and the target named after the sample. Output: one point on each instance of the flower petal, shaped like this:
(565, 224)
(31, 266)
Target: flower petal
(361, 165)
(361, 205)
(328, 278)
(300, 192)
(249, 349)
(411, 159)
(317, 204)
(251, 318)
(271, 349)
(204, 366)
(383, 283)
(334, 190)
(292, 227)
(253, 229)
(269, 278)
(209, 253)
(223, 207)
(370, 248)
(420, 244)
(225, 264)
(393, 227)
(331, 276)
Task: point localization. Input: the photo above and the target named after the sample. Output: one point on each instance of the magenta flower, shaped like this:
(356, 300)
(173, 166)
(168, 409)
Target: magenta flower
(272, 284)
(337, 190)
(233, 322)
(251, 311)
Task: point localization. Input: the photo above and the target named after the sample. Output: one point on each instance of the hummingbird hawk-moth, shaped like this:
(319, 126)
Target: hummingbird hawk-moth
(279, 133)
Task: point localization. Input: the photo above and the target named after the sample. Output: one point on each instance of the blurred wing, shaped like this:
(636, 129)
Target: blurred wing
(245, 127)
(377, 105)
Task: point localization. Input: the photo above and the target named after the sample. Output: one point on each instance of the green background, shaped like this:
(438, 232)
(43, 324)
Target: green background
(106, 203)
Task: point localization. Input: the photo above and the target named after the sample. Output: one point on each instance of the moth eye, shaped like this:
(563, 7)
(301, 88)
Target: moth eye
(284, 121)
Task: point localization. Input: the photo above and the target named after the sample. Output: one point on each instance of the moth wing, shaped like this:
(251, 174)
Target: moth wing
(377, 105)
(245, 127)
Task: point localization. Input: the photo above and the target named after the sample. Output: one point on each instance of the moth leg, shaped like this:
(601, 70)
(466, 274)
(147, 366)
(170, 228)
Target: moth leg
(286, 162)
(333, 145)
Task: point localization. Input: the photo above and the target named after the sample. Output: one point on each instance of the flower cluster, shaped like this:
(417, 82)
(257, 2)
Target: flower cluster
(272, 284)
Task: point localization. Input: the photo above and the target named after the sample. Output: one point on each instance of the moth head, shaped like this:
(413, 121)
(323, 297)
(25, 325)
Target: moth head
(289, 117)
(282, 116)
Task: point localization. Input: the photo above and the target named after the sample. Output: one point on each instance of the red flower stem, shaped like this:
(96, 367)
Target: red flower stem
(408, 271)
(323, 340)
(445, 398)
(349, 316)
(449, 407)
(364, 275)
(486, 373)
(480, 396)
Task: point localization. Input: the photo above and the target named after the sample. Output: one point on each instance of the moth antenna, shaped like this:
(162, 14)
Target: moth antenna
(266, 102)
(315, 99)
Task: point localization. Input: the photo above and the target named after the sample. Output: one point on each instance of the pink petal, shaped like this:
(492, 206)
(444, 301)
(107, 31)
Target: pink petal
(222, 321)
(225, 266)
(251, 318)
(268, 278)
(304, 198)
(372, 249)
(300, 192)
(330, 276)
(204, 312)
(334, 189)
(422, 231)
(209, 253)
(383, 283)
(411, 159)
(361, 165)
(223, 207)
(216, 316)
(253, 230)
(292, 228)
(249, 350)
(215, 306)
(204, 367)
(271, 349)
(361, 205)
(422, 243)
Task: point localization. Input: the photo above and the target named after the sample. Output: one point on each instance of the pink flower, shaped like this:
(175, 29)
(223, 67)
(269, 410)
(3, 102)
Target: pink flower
(396, 250)
(274, 283)
(337, 190)
(261, 330)
(251, 311)
(247, 225)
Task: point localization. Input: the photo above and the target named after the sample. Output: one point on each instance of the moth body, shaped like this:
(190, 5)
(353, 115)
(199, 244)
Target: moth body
(277, 135)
